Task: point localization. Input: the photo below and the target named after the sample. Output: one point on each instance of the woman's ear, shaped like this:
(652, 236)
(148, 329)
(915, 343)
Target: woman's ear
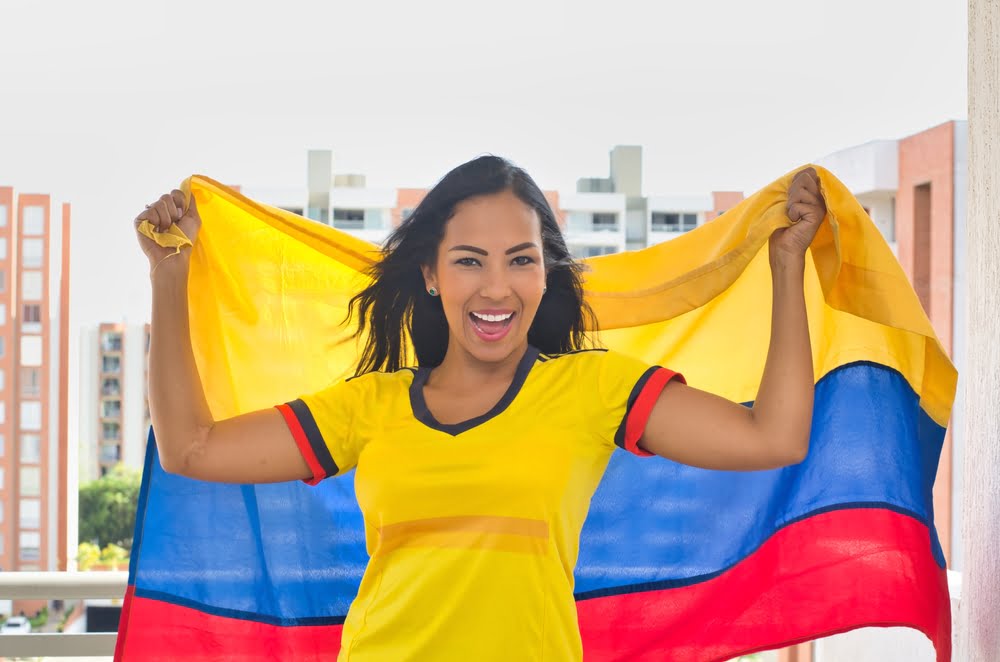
(430, 278)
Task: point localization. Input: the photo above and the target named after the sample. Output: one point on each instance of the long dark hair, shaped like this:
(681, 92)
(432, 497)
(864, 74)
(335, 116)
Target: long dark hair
(395, 307)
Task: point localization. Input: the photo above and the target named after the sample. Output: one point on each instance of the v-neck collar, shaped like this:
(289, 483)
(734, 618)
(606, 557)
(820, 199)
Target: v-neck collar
(424, 415)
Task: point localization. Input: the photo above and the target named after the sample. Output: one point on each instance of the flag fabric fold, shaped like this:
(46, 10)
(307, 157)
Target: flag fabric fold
(676, 563)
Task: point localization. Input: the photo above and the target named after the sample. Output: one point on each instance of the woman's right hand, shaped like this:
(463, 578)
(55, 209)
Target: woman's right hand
(164, 212)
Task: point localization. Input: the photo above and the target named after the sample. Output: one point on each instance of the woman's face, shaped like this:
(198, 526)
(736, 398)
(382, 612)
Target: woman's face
(490, 275)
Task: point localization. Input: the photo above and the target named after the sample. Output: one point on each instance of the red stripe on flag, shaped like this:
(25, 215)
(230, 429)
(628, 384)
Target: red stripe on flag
(163, 631)
(839, 570)
(123, 622)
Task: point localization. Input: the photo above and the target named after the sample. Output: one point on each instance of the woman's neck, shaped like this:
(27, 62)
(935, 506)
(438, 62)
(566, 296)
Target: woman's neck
(460, 369)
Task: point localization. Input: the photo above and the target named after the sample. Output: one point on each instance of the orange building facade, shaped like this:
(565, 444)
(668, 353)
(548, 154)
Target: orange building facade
(34, 306)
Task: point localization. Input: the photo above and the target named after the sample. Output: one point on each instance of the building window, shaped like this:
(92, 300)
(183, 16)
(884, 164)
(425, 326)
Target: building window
(111, 364)
(594, 251)
(31, 448)
(3, 248)
(605, 222)
(321, 214)
(30, 513)
(31, 253)
(3, 412)
(349, 219)
(405, 213)
(111, 409)
(3, 216)
(110, 453)
(30, 382)
(673, 222)
(31, 481)
(31, 415)
(30, 545)
(3, 281)
(34, 221)
(666, 222)
(3, 379)
(31, 285)
(32, 312)
(3, 314)
(1, 478)
(31, 350)
(111, 387)
(111, 342)
(111, 431)
(3, 443)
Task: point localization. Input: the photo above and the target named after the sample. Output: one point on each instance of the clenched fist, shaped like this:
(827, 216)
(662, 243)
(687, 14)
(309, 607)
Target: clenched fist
(168, 210)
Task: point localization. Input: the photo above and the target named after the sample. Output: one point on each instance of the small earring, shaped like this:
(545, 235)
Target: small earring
(544, 290)
(432, 291)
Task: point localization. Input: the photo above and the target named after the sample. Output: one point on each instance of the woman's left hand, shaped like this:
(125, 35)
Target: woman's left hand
(806, 209)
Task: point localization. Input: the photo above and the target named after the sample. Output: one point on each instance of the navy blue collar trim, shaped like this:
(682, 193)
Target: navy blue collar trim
(424, 415)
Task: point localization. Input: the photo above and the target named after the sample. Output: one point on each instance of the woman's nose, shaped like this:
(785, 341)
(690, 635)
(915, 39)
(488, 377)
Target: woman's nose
(495, 286)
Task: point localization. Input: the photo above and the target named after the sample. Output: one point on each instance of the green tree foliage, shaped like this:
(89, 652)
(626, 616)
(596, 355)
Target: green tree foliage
(87, 554)
(113, 555)
(107, 508)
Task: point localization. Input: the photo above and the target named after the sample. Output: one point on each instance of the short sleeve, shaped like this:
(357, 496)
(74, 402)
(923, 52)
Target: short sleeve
(323, 425)
(627, 389)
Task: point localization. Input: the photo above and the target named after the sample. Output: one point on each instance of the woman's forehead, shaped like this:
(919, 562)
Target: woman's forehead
(501, 217)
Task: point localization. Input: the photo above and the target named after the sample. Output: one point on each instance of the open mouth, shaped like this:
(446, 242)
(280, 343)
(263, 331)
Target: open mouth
(491, 326)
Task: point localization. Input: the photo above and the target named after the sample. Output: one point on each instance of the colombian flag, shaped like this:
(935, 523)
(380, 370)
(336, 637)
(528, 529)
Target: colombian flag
(676, 563)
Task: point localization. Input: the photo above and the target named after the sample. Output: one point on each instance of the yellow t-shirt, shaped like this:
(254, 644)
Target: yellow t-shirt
(473, 529)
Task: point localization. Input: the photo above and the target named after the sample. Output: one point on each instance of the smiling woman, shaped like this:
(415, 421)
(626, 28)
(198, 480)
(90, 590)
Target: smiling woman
(475, 469)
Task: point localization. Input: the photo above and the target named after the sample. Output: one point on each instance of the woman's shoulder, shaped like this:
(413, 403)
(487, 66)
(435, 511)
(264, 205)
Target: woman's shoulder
(597, 362)
(385, 375)
(575, 356)
(578, 362)
(383, 379)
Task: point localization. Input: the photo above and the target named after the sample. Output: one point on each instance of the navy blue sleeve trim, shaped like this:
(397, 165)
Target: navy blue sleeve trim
(312, 432)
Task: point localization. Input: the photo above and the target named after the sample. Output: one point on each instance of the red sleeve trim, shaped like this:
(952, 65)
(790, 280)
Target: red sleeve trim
(638, 414)
(302, 441)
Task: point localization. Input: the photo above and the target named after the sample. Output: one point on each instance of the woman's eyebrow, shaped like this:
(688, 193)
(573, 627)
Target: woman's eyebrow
(480, 251)
(521, 247)
(471, 249)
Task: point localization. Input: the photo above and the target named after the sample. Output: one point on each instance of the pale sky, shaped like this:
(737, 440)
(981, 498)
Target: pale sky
(108, 104)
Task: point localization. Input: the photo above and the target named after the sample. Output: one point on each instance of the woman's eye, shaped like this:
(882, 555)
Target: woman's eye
(467, 261)
(522, 260)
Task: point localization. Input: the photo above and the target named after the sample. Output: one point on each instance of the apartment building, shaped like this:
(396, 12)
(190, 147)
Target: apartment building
(114, 397)
(34, 315)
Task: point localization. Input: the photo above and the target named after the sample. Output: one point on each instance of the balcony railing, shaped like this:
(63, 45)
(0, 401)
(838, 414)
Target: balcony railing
(60, 585)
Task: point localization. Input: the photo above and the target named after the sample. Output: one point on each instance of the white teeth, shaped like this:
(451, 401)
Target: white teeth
(493, 318)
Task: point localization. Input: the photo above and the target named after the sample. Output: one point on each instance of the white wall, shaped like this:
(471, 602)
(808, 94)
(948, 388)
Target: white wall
(979, 618)
(873, 166)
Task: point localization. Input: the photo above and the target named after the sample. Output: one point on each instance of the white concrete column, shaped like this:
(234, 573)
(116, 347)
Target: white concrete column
(979, 613)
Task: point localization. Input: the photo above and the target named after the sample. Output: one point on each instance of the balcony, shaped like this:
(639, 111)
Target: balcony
(75, 642)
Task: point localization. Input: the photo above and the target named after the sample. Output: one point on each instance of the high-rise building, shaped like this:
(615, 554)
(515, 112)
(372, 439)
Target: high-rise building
(114, 398)
(34, 315)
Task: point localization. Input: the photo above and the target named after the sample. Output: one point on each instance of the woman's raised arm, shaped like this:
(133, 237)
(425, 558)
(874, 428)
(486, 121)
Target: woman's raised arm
(256, 447)
(702, 429)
